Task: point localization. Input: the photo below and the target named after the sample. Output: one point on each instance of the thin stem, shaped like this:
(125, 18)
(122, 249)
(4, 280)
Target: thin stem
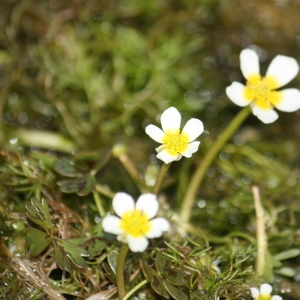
(104, 191)
(162, 172)
(135, 289)
(262, 242)
(132, 171)
(99, 204)
(120, 271)
(200, 172)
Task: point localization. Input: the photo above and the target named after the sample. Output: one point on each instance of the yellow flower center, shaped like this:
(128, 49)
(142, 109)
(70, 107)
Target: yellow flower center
(264, 297)
(174, 142)
(261, 90)
(135, 223)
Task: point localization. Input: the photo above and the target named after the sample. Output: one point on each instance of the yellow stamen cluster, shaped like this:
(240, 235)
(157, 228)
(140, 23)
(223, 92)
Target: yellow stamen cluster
(135, 223)
(174, 142)
(264, 297)
(261, 90)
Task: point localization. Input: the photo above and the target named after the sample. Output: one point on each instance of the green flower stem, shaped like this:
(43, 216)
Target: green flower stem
(99, 204)
(132, 171)
(104, 191)
(135, 289)
(120, 271)
(200, 172)
(262, 241)
(162, 172)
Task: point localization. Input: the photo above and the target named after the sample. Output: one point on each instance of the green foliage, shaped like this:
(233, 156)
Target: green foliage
(78, 79)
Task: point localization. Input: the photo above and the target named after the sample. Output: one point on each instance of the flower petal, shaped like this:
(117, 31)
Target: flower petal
(155, 133)
(290, 100)
(254, 292)
(266, 289)
(122, 202)
(249, 62)
(170, 119)
(137, 244)
(193, 128)
(166, 157)
(192, 148)
(283, 68)
(267, 116)
(111, 224)
(148, 204)
(158, 226)
(235, 93)
(276, 297)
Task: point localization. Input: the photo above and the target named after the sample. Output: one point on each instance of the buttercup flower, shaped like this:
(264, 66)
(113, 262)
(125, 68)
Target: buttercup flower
(135, 223)
(260, 92)
(175, 144)
(264, 293)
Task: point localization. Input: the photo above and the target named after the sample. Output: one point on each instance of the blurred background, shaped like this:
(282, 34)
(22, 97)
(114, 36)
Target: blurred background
(87, 75)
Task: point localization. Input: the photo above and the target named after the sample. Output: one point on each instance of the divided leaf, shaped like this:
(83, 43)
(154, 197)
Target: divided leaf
(82, 185)
(36, 240)
(68, 254)
(65, 167)
(38, 212)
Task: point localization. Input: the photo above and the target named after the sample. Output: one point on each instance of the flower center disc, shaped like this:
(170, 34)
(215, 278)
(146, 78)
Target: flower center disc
(261, 90)
(264, 297)
(135, 223)
(175, 142)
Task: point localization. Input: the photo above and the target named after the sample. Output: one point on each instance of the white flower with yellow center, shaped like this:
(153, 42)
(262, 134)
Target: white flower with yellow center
(260, 92)
(264, 293)
(175, 144)
(135, 222)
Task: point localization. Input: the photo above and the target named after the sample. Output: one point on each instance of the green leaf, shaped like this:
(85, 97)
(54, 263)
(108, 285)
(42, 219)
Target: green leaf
(66, 167)
(175, 292)
(147, 271)
(287, 254)
(164, 266)
(69, 255)
(109, 273)
(95, 247)
(286, 271)
(36, 240)
(160, 262)
(38, 212)
(158, 286)
(82, 185)
(112, 259)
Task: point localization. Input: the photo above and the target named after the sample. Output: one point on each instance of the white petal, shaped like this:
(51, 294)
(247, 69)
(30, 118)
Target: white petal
(166, 157)
(111, 224)
(249, 62)
(155, 133)
(276, 297)
(137, 244)
(170, 119)
(283, 68)
(235, 93)
(122, 202)
(266, 289)
(254, 292)
(193, 128)
(158, 226)
(192, 148)
(148, 204)
(266, 116)
(290, 101)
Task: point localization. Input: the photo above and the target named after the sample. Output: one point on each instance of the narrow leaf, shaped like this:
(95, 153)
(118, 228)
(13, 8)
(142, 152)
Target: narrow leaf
(175, 292)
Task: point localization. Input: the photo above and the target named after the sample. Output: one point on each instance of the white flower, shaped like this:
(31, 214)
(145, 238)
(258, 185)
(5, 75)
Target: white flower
(260, 92)
(264, 293)
(135, 222)
(175, 144)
